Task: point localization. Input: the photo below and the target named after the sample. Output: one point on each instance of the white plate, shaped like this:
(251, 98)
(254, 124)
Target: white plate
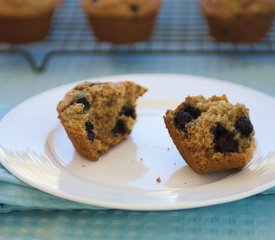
(35, 148)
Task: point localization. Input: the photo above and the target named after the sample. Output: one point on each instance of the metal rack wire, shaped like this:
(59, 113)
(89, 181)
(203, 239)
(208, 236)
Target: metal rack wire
(180, 28)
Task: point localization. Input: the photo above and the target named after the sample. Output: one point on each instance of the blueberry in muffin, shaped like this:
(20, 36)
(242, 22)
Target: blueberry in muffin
(98, 116)
(211, 134)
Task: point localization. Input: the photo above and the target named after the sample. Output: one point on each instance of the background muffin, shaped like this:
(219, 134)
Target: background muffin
(23, 21)
(238, 21)
(122, 21)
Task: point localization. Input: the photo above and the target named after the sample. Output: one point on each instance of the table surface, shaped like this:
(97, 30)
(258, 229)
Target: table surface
(251, 218)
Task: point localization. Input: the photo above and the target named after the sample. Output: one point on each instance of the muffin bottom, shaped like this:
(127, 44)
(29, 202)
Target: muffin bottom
(240, 29)
(122, 30)
(25, 29)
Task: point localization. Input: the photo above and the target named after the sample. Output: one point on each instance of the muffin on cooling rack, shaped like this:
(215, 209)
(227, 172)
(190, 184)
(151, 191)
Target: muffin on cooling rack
(212, 135)
(122, 21)
(24, 21)
(238, 21)
(98, 116)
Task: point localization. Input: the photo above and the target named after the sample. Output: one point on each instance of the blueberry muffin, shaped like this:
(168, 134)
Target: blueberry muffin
(24, 21)
(98, 116)
(122, 21)
(238, 21)
(212, 135)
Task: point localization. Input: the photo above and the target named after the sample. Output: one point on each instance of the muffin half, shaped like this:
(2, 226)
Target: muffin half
(212, 135)
(98, 116)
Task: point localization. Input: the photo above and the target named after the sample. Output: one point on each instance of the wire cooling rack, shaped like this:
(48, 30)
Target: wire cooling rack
(180, 28)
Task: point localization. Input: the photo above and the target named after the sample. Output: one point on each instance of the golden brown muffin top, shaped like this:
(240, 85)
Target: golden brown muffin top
(121, 7)
(228, 8)
(21, 7)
